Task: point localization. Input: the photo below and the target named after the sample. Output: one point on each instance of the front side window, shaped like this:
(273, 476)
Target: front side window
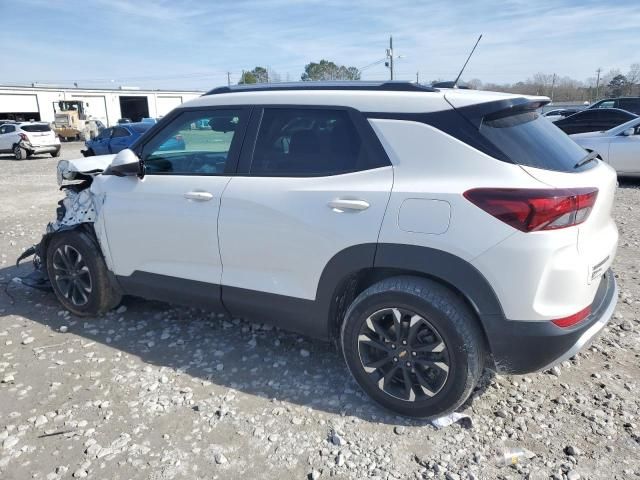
(9, 128)
(195, 143)
(607, 104)
(307, 142)
(104, 134)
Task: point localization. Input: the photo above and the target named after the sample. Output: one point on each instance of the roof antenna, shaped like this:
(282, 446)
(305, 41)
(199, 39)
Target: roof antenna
(455, 84)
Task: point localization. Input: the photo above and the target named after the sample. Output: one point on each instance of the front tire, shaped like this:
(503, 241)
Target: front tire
(55, 154)
(413, 346)
(19, 153)
(79, 275)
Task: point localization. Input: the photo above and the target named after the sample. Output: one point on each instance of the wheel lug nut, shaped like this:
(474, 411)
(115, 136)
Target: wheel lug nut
(404, 342)
(393, 346)
(414, 354)
(408, 364)
(395, 359)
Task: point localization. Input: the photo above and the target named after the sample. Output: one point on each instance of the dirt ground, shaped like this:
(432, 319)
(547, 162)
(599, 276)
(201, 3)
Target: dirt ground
(154, 391)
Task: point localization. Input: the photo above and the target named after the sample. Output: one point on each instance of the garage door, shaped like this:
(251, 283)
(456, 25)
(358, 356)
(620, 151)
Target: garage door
(165, 104)
(95, 106)
(18, 103)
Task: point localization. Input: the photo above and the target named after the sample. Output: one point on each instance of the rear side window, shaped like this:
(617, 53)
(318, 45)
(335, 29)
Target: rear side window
(120, 132)
(529, 140)
(630, 104)
(36, 127)
(307, 142)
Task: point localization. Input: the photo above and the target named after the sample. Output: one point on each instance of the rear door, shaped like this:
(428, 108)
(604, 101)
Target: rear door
(7, 136)
(312, 182)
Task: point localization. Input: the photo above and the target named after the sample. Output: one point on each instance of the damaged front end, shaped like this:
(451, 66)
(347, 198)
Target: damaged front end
(79, 209)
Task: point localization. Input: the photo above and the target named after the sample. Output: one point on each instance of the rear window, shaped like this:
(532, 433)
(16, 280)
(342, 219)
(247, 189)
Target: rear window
(528, 139)
(141, 127)
(36, 127)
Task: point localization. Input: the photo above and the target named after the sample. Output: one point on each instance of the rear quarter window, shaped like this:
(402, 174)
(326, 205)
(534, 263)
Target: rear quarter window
(528, 139)
(36, 128)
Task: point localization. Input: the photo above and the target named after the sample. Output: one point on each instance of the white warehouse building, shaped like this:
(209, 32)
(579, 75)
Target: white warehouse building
(41, 102)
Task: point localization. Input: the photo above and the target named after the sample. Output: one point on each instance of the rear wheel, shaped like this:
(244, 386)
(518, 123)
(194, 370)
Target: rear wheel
(79, 275)
(413, 346)
(89, 152)
(56, 153)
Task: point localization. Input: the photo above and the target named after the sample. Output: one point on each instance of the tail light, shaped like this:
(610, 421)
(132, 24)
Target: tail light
(574, 319)
(531, 210)
(23, 136)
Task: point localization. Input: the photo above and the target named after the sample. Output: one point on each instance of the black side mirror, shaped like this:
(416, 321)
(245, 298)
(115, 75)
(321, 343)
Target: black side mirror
(126, 164)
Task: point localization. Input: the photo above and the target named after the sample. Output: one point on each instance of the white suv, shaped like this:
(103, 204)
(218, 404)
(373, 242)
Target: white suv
(24, 139)
(428, 232)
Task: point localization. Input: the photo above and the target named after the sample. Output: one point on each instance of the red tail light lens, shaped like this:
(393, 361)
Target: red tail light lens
(572, 320)
(24, 137)
(531, 210)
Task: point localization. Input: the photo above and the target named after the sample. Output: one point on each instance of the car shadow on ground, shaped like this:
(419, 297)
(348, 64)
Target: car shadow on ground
(257, 359)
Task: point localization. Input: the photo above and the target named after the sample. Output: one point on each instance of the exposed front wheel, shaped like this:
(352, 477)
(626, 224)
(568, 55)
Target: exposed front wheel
(19, 153)
(413, 346)
(56, 153)
(79, 275)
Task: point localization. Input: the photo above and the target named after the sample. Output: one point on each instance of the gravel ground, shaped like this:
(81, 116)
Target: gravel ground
(153, 391)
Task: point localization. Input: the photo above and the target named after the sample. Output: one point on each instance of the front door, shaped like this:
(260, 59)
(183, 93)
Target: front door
(624, 153)
(162, 229)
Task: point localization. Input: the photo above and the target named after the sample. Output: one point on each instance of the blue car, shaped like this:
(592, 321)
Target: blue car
(114, 139)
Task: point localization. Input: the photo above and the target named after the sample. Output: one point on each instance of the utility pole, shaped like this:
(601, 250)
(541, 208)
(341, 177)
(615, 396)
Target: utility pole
(553, 86)
(229, 79)
(417, 77)
(389, 62)
(598, 83)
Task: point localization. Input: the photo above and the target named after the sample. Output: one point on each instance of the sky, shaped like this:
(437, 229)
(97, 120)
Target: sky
(189, 44)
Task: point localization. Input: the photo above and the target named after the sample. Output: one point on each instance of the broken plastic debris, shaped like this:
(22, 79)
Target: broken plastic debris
(454, 417)
(512, 456)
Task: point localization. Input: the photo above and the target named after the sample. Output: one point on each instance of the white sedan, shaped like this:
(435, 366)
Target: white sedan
(618, 146)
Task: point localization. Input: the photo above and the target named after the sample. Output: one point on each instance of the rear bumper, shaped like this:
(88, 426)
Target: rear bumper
(524, 346)
(54, 147)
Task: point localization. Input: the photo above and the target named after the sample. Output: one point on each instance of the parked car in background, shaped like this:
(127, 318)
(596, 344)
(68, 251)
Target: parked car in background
(594, 120)
(124, 120)
(426, 245)
(560, 113)
(115, 139)
(630, 104)
(619, 146)
(24, 139)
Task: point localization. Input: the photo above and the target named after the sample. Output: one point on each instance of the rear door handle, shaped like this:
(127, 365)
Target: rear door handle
(198, 196)
(341, 205)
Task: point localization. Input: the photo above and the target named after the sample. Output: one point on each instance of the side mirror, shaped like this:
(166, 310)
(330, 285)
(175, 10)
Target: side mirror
(126, 164)
(628, 132)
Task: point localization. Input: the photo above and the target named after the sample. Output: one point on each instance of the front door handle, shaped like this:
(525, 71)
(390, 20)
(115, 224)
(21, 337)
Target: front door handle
(341, 205)
(198, 196)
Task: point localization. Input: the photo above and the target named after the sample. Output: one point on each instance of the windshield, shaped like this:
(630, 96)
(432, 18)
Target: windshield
(528, 139)
(36, 127)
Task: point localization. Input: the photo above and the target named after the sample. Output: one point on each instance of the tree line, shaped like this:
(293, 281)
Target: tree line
(562, 89)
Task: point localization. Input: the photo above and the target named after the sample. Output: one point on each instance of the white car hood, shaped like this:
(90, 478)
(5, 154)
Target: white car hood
(67, 169)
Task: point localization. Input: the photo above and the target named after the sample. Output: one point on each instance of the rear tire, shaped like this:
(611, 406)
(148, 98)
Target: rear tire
(89, 153)
(413, 346)
(55, 154)
(79, 274)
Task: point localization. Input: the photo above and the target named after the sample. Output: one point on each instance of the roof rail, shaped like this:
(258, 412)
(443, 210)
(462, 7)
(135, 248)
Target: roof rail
(394, 86)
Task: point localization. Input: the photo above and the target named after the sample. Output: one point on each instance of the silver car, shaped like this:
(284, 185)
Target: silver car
(618, 146)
